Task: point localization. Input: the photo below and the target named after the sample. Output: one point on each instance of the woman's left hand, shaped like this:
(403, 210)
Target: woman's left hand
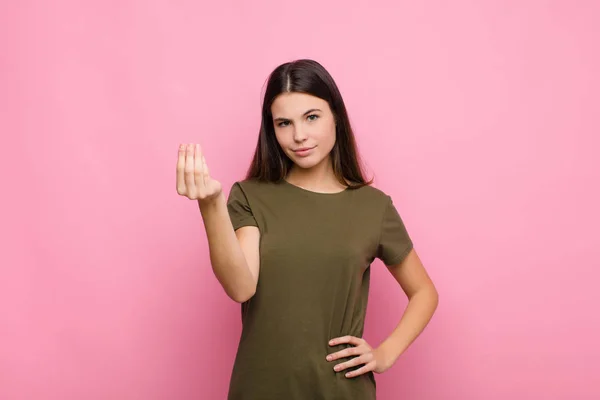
(373, 359)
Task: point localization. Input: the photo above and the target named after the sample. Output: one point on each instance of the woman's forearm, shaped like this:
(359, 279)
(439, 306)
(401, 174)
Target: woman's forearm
(417, 315)
(226, 256)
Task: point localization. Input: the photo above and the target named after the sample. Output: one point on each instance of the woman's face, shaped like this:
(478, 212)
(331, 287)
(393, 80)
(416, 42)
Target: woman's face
(305, 128)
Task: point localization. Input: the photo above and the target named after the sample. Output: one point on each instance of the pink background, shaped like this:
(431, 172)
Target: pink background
(479, 118)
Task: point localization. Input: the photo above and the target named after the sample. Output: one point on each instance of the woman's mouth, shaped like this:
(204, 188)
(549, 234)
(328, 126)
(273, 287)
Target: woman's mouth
(304, 151)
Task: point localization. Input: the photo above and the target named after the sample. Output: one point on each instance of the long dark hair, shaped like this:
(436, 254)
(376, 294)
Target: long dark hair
(270, 163)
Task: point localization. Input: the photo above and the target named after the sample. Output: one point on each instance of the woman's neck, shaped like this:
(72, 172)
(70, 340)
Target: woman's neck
(320, 178)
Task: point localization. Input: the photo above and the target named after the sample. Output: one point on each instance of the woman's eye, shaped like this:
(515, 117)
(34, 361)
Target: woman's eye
(312, 117)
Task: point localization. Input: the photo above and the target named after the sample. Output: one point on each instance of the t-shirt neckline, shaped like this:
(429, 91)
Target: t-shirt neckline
(313, 192)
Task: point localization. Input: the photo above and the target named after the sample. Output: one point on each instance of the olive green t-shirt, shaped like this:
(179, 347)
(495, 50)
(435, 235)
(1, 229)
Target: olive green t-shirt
(313, 285)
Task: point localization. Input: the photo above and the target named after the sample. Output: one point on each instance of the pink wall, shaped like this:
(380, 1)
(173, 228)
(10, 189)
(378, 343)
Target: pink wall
(479, 118)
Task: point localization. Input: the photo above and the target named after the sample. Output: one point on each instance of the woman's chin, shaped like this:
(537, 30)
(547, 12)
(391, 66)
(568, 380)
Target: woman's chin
(308, 162)
(305, 162)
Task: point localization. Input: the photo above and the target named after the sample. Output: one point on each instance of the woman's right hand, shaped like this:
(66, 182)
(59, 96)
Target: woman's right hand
(193, 178)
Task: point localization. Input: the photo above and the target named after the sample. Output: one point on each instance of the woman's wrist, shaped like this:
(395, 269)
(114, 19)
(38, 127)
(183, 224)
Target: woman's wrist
(390, 352)
(208, 205)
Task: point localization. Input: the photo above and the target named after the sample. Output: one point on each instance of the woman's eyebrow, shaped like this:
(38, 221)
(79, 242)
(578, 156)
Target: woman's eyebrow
(286, 119)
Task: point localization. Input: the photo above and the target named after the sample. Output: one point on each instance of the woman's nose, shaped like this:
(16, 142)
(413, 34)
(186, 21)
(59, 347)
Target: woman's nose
(299, 134)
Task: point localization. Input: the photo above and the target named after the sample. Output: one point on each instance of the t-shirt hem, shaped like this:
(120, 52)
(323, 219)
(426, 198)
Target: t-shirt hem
(246, 222)
(400, 257)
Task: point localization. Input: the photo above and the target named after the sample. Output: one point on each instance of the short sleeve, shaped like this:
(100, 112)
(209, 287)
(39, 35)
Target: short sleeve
(239, 209)
(394, 242)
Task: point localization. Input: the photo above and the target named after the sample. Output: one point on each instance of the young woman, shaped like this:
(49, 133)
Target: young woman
(293, 243)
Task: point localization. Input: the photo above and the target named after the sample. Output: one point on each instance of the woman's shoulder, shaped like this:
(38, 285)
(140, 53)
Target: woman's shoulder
(253, 186)
(373, 193)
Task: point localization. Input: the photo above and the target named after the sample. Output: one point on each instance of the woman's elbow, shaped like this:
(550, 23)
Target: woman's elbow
(242, 296)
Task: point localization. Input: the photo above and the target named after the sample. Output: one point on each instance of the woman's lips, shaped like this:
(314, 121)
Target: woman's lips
(303, 152)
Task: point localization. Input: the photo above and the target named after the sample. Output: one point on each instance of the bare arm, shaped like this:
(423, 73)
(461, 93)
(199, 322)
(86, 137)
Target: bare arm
(423, 300)
(233, 255)
(422, 303)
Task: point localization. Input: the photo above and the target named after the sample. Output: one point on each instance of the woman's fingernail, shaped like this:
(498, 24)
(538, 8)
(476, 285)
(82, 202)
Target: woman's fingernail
(328, 358)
